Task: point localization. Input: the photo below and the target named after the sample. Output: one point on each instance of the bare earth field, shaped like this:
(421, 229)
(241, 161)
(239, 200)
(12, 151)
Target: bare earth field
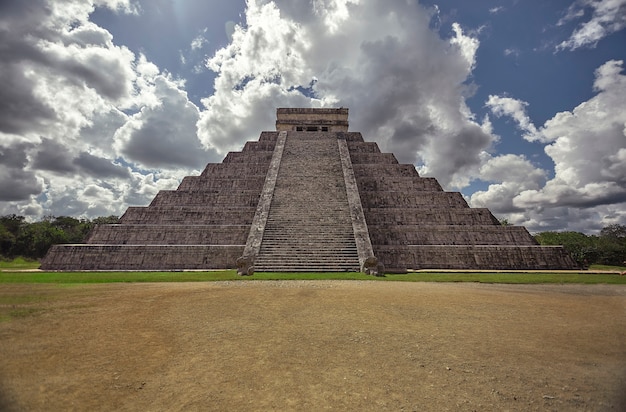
(313, 345)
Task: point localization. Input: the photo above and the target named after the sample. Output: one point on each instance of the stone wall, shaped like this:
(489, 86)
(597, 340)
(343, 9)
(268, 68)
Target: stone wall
(188, 215)
(140, 257)
(477, 257)
(289, 119)
(125, 234)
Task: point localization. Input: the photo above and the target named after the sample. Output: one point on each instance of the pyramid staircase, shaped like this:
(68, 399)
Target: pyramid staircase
(309, 227)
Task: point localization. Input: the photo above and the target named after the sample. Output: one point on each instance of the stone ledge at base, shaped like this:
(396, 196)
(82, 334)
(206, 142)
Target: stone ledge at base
(141, 257)
(474, 257)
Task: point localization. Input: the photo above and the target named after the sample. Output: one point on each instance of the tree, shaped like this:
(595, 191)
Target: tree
(32, 240)
(583, 248)
(36, 238)
(614, 231)
(10, 228)
(609, 248)
(74, 229)
(612, 245)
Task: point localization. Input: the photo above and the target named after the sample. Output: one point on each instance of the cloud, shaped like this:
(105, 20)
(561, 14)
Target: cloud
(403, 83)
(16, 183)
(199, 41)
(588, 147)
(67, 94)
(164, 135)
(512, 175)
(99, 166)
(607, 17)
(516, 109)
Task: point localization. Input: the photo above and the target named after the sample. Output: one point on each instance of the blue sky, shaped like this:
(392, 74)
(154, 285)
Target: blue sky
(519, 105)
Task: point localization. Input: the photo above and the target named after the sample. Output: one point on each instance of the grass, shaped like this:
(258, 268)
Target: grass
(117, 277)
(13, 272)
(19, 263)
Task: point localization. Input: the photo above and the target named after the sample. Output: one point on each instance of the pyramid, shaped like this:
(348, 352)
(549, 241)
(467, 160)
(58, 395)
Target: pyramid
(310, 196)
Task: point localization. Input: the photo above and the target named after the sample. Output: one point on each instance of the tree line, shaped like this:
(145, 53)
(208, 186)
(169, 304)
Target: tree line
(606, 248)
(33, 239)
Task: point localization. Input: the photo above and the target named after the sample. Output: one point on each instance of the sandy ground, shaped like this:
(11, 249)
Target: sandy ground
(313, 345)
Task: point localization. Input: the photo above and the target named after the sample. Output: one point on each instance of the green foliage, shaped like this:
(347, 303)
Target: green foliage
(32, 240)
(583, 248)
(615, 231)
(106, 220)
(609, 248)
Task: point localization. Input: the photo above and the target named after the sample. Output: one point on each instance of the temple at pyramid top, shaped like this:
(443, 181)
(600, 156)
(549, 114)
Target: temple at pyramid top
(312, 120)
(309, 196)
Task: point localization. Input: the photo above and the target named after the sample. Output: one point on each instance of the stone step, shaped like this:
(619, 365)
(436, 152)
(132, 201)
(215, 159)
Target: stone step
(302, 259)
(309, 252)
(295, 230)
(309, 227)
(307, 267)
(282, 238)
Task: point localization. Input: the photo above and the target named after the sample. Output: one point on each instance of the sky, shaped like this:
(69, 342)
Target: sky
(518, 105)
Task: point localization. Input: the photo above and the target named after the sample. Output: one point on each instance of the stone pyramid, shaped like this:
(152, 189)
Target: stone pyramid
(310, 196)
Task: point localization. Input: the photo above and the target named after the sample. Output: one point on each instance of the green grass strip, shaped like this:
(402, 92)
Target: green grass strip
(193, 276)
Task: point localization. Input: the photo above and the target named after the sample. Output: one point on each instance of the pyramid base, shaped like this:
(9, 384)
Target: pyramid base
(475, 257)
(141, 257)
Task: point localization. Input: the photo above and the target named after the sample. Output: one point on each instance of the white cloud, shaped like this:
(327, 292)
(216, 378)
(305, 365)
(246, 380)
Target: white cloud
(588, 147)
(199, 41)
(164, 135)
(467, 45)
(333, 12)
(511, 174)
(516, 109)
(607, 17)
(67, 89)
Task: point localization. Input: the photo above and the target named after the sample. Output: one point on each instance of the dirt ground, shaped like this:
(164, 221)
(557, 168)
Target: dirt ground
(313, 345)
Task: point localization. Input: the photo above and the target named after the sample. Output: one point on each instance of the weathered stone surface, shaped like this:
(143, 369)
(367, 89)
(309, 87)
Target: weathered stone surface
(245, 265)
(257, 230)
(141, 257)
(145, 234)
(359, 225)
(450, 235)
(300, 119)
(310, 196)
(188, 215)
(487, 257)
